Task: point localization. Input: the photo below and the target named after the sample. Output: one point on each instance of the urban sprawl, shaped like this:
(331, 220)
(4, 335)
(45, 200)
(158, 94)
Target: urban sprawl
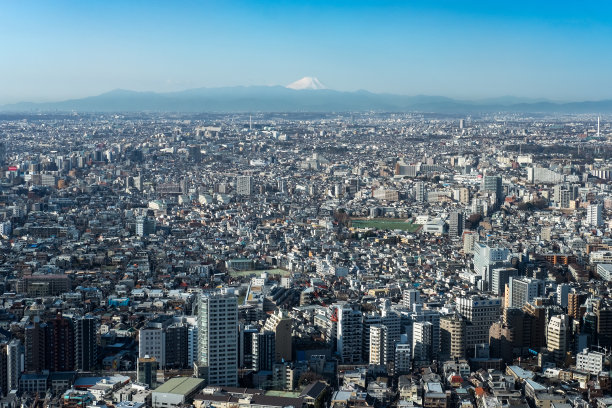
(305, 260)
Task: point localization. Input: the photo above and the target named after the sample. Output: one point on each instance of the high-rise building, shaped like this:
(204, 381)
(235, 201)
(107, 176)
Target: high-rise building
(524, 290)
(349, 334)
(403, 358)
(218, 338)
(264, 354)
(62, 344)
(14, 354)
(557, 336)
(282, 325)
(177, 346)
(422, 342)
(594, 215)
(420, 192)
(563, 290)
(152, 343)
(37, 352)
(536, 315)
(455, 224)
(377, 344)
(493, 184)
(480, 313)
(432, 316)
(245, 349)
(574, 304)
(411, 297)
(392, 322)
(469, 239)
(603, 311)
(145, 226)
(452, 337)
(86, 344)
(244, 185)
(485, 258)
(500, 277)
(147, 371)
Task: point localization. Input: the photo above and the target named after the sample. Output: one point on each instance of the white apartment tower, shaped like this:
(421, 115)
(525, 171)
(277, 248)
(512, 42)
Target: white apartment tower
(594, 215)
(244, 185)
(218, 338)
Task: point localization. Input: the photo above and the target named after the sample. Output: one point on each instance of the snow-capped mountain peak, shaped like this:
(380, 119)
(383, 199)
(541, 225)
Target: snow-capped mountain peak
(306, 83)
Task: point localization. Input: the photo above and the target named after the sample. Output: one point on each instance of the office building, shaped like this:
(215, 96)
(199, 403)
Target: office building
(480, 313)
(14, 356)
(493, 184)
(218, 338)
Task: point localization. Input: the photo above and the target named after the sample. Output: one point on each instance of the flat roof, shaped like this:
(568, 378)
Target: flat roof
(180, 385)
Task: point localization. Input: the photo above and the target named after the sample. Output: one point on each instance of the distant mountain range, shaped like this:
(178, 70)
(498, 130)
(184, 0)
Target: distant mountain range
(310, 96)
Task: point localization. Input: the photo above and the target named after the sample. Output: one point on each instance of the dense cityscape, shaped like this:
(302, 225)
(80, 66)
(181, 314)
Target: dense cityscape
(306, 260)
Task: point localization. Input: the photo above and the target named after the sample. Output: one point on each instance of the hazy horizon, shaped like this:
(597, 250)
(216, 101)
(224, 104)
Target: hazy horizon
(473, 50)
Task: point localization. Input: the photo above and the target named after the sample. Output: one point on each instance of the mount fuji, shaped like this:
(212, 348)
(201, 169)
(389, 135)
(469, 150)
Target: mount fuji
(306, 83)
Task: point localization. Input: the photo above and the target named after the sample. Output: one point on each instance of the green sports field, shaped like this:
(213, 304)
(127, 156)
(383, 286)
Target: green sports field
(385, 224)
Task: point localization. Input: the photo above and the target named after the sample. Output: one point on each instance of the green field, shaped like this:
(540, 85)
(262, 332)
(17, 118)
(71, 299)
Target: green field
(385, 224)
(278, 272)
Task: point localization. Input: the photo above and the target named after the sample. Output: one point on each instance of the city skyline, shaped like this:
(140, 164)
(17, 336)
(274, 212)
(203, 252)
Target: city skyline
(474, 50)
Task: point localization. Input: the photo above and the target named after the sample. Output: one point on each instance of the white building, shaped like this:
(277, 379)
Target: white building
(557, 336)
(590, 361)
(594, 215)
(244, 185)
(152, 343)
(422, 341)
(605, 271)
(218, 338)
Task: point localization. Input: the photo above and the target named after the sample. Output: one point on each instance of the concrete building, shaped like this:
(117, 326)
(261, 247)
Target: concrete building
(349, 334)
(244, 185)
(480, 313)
(557, 336)
(281, 324)
(594, 215)
(590, 361)
(452, 337)
(218, 338)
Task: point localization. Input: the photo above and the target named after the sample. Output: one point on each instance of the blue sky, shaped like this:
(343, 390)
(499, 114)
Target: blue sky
(53, 50)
